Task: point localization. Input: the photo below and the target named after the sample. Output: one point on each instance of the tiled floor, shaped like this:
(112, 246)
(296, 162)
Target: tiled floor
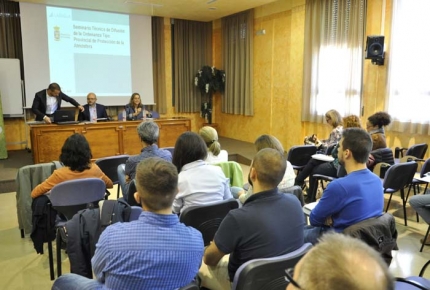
(22, 268)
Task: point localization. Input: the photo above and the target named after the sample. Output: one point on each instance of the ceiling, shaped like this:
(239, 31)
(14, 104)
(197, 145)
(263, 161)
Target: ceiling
(199, 10)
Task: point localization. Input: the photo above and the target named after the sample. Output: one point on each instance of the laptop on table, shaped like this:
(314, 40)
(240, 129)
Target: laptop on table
(62, 117)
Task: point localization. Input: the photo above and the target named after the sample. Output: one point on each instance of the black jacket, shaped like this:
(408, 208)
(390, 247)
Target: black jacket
(43, 221)
(39, 103)
(85, 115)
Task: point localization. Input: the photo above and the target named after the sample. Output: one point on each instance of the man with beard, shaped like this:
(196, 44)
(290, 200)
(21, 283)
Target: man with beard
(353, 198)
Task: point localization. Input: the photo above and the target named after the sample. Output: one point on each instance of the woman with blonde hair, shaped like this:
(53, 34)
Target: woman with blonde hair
(215, 154)
(269, 141)
(326, 168)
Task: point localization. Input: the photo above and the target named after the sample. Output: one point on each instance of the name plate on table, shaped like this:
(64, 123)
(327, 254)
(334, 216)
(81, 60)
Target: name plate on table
(323, 157)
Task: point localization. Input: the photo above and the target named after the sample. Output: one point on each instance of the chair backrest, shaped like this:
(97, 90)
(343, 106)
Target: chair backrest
(109, 166)
(425, 168)
(417, 150)
(155, 115)
(383, 155)
(400, 175)
(130, 194)
(411, 283)
(267, 273)
(295, 190)
(233, 171)
(300, 155)
(207, 218)
(380, 233)
(330, 149)
(71, 196)
(135, 213)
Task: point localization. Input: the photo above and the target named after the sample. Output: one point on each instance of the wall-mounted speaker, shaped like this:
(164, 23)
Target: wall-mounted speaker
(375, 47)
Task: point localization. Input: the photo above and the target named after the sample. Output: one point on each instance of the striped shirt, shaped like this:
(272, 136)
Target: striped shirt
(160, 253)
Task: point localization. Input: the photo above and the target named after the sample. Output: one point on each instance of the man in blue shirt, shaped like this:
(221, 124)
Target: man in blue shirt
(351, 199)
(160, 252)
(269, 224)
(148, 133)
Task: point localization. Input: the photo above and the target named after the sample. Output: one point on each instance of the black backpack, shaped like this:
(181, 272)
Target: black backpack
(83, 231)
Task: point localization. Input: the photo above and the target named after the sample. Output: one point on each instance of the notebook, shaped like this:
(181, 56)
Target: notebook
(61, 116)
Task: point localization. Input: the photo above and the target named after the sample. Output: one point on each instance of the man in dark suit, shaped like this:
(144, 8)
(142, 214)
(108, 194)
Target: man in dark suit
(47, 101)
(92, 111)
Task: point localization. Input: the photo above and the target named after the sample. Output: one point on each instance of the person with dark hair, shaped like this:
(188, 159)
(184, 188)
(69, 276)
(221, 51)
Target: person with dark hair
(340, 262)
(154, 252)
(135, 109)
(375, 126)
(92, 111)
(76, 158)
(148, 133)
(353, 198)
(269, 224)
(47, 101)
(199, 182)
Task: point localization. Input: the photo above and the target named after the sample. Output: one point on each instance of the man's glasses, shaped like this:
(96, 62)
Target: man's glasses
(289, 273)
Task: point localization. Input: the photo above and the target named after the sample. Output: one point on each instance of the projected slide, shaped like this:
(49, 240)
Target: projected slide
(89, 51)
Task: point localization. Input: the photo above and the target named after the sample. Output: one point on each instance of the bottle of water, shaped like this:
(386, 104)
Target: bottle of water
(124, 115)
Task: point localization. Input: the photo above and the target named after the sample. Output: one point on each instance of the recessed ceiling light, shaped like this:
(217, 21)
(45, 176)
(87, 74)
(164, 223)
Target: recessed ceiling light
(211, 1)
(212, 8)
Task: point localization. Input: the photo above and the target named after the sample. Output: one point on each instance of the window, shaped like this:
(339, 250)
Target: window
(409, 70)
(334, 33)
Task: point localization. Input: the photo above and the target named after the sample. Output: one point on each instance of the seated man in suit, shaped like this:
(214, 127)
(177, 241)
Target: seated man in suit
(340, 262)
(47, 101)
(92, 111)
(269, 224)
(154, 252)
(351, 199)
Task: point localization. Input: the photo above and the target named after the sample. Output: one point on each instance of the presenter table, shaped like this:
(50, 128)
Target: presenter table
(105, 138)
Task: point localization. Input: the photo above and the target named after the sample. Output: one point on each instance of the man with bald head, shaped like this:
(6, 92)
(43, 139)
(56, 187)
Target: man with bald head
(92, 111)
(269, 224)
(340, 262)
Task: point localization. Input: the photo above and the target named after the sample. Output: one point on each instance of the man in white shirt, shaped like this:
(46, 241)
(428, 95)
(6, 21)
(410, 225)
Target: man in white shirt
(47, 101)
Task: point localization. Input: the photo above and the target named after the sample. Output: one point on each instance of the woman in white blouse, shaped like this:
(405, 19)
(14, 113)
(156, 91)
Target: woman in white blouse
(215, 154)
(199, 182)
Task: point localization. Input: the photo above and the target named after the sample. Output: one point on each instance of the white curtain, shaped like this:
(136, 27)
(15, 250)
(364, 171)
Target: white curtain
(408, 97)
(333, 57)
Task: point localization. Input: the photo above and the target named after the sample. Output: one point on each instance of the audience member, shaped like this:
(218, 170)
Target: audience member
(92, 111)
(375, 126)
(215, 154)
(148, 133)
(135, 109)
(420, 204)
(47, 101)
(76, 158)
(334, 119)
(333, 169)
(199, 182)
(340, 262)
(268, 225)
(353, 198)
(269, 141)
(154, 252)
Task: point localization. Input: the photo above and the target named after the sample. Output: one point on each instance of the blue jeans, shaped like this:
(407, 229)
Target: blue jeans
(75, 282)
(312, 234)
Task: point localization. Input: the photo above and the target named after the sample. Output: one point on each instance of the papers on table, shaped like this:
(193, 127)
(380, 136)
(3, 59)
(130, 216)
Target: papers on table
(307, 208)
(323, 157)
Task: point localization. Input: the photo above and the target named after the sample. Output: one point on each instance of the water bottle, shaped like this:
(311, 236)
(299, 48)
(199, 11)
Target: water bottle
(124, 115)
